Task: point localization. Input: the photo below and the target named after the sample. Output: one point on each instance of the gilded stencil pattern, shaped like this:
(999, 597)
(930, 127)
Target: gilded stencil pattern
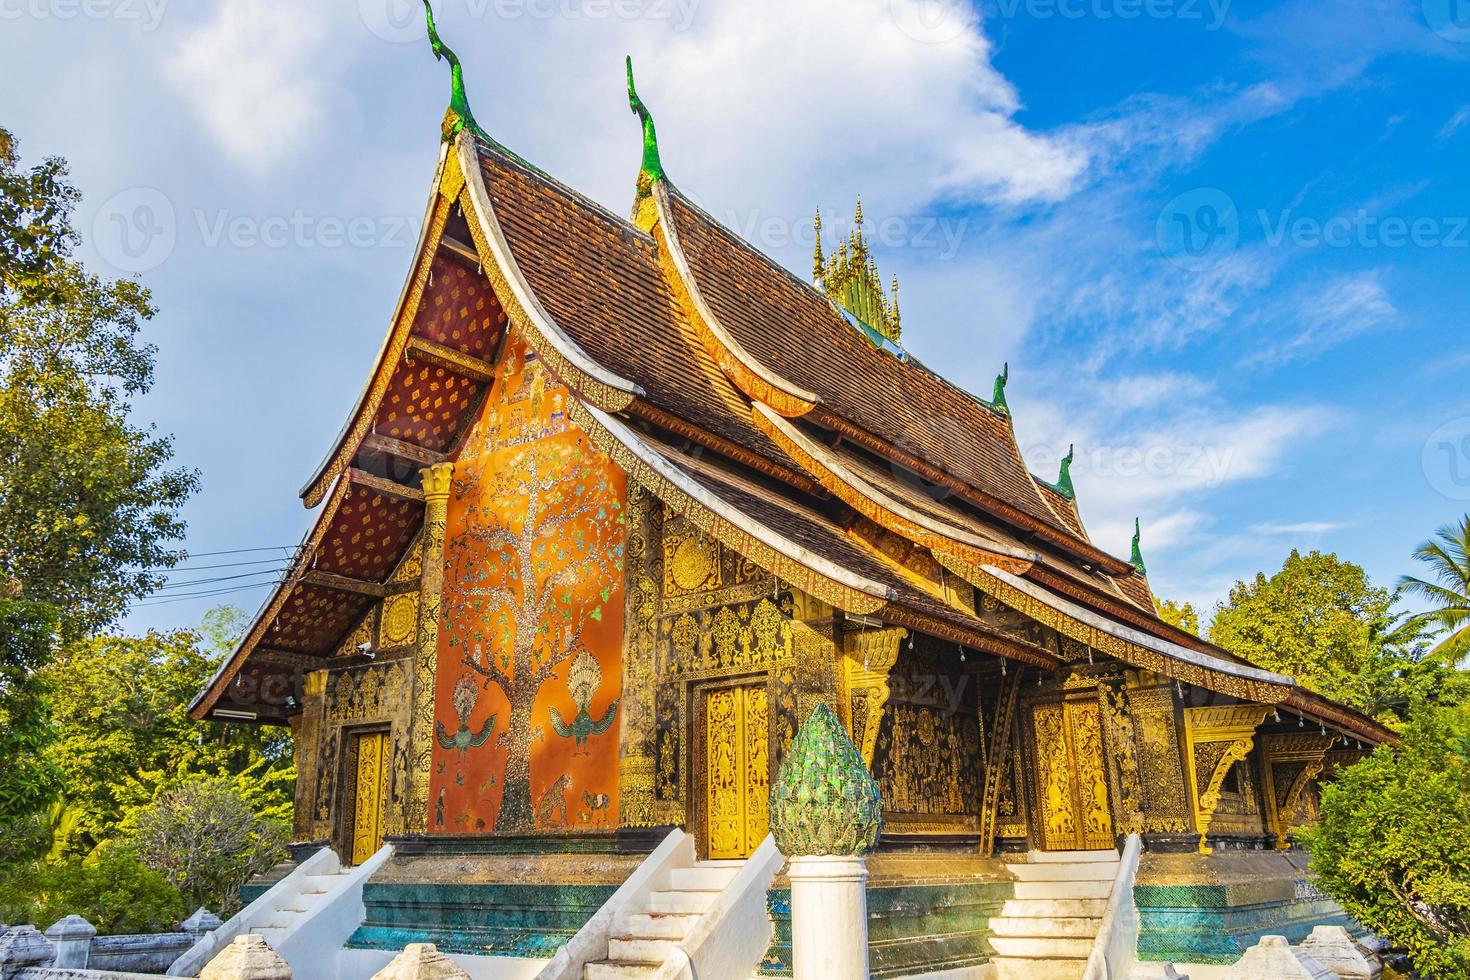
(636, 768)
(1165, 806)
(369, 796)
(374, 694)
(1071, 784)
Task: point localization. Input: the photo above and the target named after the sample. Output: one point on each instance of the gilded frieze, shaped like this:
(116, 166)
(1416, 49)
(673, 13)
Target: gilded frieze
(1160, 771)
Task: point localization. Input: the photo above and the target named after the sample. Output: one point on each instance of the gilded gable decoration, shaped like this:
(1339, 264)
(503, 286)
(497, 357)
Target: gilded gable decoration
(1216, 738)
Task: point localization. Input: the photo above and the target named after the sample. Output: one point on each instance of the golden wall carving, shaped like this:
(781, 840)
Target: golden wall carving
(1216, 738)
(641, 598)
(868, 656)
(436, 481)
(927, 746)
(1073, 812)
(1290, 763)
(1165, 800)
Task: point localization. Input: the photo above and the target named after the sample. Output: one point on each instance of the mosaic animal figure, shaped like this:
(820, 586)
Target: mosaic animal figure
(466, 696)
(583, 680)
(554, 799)
(597, 804)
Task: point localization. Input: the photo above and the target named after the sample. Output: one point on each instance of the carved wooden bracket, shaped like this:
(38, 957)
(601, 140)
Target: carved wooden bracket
(1216, 738)
(867, 658)
(1292, 762)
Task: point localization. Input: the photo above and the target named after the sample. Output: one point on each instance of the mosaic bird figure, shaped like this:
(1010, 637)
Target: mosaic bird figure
(583, 680)
(466, 695)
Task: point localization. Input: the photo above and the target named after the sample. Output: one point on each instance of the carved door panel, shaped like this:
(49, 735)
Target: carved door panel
(370, 786)
(737, 770)
(1071, 783)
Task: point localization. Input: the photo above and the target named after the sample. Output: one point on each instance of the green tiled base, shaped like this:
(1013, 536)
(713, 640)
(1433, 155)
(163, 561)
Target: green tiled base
(249, 893)
(1198, 924)
(485, 919)
(911, 928)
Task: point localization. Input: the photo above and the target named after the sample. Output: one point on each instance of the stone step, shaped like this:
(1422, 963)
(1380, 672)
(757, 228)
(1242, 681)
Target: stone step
(1071, 857)
(700, 879)
(1042, 948)
(680, 903)
(1020, 968)
(1096, 871)
(1063, 889)
(721, 863)
(1061, 908)
(1040, 928)
(645, 925)
(618, 971)
(639, 950)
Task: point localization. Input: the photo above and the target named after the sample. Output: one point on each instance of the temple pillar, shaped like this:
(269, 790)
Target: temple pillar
(306, 733)
(1216, 738)
(436, 480)
(829, 917)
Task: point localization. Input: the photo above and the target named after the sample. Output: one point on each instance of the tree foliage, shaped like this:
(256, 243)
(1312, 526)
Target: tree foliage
(122, 730)
(207, 840)
(112, 889)
(1448, 557)
(1322, 621)
(89, 503)
(28, 638)
(1182, 615)
(1392, 844)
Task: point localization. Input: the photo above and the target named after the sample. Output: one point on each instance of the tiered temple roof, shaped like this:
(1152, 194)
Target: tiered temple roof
(740, 396)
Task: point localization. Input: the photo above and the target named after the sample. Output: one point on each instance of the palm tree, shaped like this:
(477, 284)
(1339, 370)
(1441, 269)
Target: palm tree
(1448, 555)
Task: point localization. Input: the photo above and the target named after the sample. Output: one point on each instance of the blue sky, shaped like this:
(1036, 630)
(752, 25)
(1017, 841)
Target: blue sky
(1223, 245)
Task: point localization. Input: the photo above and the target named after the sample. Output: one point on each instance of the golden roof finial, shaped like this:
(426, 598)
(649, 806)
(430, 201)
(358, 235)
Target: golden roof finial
(818, 260)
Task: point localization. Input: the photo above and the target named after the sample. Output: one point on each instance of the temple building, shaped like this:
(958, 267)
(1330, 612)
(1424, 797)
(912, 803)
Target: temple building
(623, 499)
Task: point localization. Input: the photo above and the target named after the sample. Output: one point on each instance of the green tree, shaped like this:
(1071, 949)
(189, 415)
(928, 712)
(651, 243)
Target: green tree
(123, 732)
(207, 840)
(1448, 558)
(1392, 843)
(28, 639)
(1315, 620)
(112, 889)
(89, 503)
(1182, 615)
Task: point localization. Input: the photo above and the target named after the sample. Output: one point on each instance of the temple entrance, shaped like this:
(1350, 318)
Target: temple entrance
(737, 769)
(1071, 783)
(369, 789)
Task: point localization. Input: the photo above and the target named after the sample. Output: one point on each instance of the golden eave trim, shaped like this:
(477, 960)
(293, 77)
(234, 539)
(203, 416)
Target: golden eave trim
(779, 555)
(573, 366)
(977, 637)
(1064, 540)
(1124, 642)
(879, 507)
(745, 371)
(360, 421)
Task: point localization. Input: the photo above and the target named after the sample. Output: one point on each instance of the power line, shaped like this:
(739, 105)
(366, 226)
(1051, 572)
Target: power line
(185, 567)
(218, 578)
(198, 595)
(238, 551)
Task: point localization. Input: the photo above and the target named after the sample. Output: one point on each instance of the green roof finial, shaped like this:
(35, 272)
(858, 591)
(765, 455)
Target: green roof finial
(824, 801)
(1063, 485)
(1137, 558)
(652, 166)
(459, 115)
(998, 399)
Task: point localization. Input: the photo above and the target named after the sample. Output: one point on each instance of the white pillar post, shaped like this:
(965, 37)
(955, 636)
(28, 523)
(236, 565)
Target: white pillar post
(829, 917)
(72, 937)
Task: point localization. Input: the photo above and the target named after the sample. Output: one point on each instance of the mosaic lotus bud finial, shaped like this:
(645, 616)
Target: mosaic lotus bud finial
(824, 801)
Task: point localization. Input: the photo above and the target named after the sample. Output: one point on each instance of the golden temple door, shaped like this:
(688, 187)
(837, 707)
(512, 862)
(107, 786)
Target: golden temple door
(737, 770)
(370, 788)
(1071, 783)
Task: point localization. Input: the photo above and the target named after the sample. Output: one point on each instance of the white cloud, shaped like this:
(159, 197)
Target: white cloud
(1453, 124)
(1299, 529)
(1345, 307)
(254, 76)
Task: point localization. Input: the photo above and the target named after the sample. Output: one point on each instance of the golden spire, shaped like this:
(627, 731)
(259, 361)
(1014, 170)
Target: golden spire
(818, 260)
(850, 276)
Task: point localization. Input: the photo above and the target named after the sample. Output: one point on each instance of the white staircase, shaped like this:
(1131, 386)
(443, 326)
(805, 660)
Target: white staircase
(1046, 931)
(306, 917)
(643, 935)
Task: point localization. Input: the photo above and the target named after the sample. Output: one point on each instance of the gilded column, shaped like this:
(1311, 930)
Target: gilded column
(426, 645)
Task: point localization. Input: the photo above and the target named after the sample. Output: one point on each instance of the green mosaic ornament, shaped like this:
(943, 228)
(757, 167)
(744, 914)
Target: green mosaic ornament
(1137, 558)
(1063, 485)
(460, 117)
(824, 801)
(653, 167)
